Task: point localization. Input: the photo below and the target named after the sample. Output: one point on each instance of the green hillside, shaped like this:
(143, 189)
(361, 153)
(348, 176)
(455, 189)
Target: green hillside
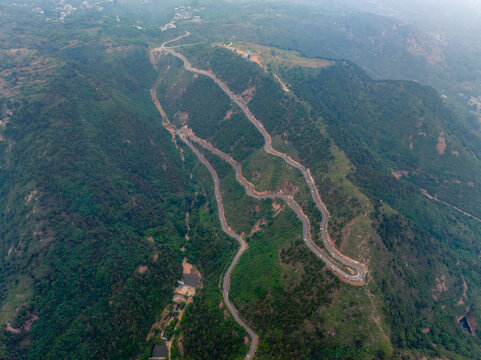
(92, 189)
(367, 126)
(99, 206)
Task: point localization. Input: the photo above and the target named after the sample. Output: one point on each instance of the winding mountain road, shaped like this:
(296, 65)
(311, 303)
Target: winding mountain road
(346, 261)
(225, 227)
(186, 134)
(250, 190)
(243, 246)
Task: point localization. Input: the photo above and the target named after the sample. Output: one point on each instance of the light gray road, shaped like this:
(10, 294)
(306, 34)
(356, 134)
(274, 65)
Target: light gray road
(250, 190)
(350, 263)
(225, 227)
(240, 240)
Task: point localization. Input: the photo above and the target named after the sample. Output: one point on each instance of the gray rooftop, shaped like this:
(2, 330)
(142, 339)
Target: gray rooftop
(191, 280)
(160, 351)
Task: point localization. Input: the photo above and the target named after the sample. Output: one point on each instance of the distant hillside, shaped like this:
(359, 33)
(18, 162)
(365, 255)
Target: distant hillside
(386, 47)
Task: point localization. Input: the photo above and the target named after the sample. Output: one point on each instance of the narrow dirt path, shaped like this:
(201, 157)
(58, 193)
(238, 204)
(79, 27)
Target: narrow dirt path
(448, 204)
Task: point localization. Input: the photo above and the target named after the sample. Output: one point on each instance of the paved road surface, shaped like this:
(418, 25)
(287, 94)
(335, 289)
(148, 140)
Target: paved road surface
(360, 272)
(240, 240)
(225, 227)
(250, 190)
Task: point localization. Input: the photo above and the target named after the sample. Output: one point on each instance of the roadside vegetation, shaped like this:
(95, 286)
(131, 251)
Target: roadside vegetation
(386, 221)
(94, 194)
(94, 197)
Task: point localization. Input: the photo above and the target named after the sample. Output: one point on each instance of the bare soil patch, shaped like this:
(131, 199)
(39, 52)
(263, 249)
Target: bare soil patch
(441, 145)
(248, 94)
(30, 196)
(181, 117)
(399, 174)
(277, 208)
(32, 317)
(142, 269)
(27, 325)
(432, 54)
(228, 114)
(186, 267)
(257, 226)
(440, 287)
(465, 295)
(186, 291)
(10, 329)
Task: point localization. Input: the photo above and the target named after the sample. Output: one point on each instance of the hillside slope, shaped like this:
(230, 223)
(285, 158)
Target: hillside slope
(380, 132)
(94, 198)
(98, 206)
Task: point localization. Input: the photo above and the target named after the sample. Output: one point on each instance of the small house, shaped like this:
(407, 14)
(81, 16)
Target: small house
(191, 280)
(159, 352)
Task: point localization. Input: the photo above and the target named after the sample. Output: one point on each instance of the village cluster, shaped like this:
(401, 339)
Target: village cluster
(183, 295)
(183, 13)
(62, 9)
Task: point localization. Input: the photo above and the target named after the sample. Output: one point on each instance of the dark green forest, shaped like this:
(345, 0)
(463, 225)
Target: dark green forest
(93, 188)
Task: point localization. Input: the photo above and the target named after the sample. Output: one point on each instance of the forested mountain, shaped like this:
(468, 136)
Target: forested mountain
(435, 48)
(92, 190)
(78, 200)
(101, 199)
(398, 139)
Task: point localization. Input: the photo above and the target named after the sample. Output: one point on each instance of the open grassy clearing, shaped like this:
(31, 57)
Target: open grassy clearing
(16, 296)
(265, 55)
(269, 173)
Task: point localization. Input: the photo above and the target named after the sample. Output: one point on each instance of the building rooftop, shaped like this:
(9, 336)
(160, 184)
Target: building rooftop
(159, 351)
(191, 280)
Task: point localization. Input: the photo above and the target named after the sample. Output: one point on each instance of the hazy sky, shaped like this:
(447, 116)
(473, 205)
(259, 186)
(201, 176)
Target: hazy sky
(459, 18)
(408, 7)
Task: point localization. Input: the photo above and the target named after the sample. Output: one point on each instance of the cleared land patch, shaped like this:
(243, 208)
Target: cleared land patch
(264, 55)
